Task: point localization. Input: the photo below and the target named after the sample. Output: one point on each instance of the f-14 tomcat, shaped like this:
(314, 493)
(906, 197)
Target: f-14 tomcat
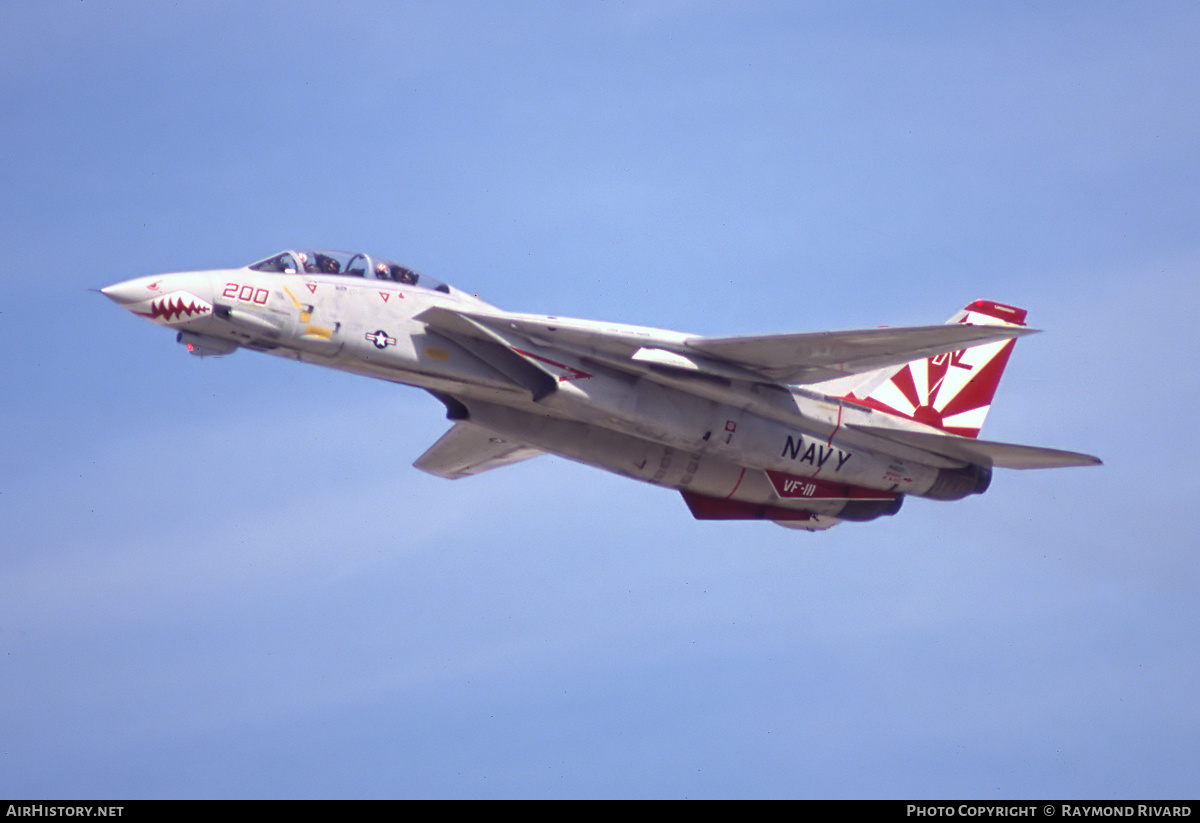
(805, 430)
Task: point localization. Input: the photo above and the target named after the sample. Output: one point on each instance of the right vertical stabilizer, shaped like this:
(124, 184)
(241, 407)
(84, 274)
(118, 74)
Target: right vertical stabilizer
(952, 391)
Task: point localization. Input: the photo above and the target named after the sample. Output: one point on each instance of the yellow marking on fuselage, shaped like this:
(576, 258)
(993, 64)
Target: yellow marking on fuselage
(305, 316)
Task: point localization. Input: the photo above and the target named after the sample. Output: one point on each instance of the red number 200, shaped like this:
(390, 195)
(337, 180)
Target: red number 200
(247, 294)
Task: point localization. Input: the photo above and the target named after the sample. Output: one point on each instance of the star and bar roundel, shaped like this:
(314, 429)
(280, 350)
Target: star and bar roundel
(380, 339)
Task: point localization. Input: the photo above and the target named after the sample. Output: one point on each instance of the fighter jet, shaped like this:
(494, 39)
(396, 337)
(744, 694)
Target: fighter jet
(805, 430)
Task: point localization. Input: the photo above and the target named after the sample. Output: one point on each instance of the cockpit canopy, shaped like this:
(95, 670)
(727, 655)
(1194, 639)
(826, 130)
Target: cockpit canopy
(349, 264)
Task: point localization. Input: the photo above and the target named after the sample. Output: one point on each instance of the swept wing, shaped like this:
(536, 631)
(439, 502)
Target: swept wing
(788, 358)
(820, 356)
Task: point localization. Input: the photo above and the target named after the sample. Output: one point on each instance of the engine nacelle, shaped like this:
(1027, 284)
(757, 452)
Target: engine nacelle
(955, 484)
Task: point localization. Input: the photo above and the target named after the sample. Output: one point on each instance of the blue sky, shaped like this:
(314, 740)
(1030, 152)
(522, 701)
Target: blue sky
(222, 578)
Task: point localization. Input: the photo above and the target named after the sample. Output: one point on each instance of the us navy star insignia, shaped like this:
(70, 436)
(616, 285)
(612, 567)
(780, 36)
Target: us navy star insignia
(380, 339)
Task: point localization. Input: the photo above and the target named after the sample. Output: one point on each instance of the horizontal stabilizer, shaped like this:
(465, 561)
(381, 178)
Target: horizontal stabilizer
(983, 452)
(819, 356)
(468, 449)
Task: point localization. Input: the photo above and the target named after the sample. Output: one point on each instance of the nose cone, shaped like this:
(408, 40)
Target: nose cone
(170, 300)
(133, 291)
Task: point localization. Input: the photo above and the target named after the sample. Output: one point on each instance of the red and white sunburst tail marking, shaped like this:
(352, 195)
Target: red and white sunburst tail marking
(954, 391)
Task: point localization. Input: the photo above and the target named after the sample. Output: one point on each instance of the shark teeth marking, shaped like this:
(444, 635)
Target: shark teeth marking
(175, 307)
